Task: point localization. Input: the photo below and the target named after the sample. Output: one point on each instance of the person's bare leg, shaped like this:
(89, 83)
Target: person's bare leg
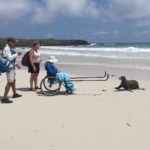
(14, 87)
(36, 80)
(7, 89)
(33, 77)
(5, 98)
(31, 80)
(15, 94)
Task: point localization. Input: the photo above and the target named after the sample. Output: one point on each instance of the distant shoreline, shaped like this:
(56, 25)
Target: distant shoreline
(46, 42)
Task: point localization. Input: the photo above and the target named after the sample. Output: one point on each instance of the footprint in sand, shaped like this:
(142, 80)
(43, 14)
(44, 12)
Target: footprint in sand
(51, 146)
(10, 138)
(129, 125)
(113, 75)
(97, 94)
(45, 131)
(62, 126)
(104, 90)
(36, 131)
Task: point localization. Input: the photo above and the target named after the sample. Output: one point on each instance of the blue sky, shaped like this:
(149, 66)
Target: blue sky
(92, 20)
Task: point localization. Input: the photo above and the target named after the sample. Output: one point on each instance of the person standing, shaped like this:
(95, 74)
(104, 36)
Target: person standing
(34, 65)
(11, 55)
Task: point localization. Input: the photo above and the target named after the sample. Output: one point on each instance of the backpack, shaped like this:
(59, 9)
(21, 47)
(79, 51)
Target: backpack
(5, 65)
(25, 60)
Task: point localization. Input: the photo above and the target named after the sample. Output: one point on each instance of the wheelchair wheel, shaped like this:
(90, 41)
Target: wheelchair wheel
(50, 86)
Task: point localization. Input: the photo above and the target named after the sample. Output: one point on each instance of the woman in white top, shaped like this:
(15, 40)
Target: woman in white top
(34, 65)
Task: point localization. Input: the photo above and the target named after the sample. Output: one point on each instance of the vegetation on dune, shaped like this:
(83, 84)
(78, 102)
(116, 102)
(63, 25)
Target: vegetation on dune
(46, 42)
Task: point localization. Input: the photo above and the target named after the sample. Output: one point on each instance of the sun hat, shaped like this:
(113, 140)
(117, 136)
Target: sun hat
(52, 59)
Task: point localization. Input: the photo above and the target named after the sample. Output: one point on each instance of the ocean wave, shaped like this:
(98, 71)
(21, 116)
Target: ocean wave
(96, 55)
(97, 49)
(98, 52)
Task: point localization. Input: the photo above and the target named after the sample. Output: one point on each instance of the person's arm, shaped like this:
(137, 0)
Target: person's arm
(18, 66)
(8, 54)
(31, 59)
(55, 69)
(51, 70)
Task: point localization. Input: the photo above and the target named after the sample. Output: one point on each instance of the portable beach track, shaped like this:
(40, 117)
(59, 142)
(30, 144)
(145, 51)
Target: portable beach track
(50, 89)
(80, 79)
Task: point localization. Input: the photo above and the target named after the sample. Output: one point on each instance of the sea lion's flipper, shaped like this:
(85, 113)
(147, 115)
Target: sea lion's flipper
(142, 89)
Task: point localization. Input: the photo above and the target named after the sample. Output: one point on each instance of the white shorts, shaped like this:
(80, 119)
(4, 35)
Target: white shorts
(11, 76)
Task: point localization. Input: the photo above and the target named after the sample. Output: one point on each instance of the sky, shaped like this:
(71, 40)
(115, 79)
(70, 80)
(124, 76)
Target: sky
(91, 20)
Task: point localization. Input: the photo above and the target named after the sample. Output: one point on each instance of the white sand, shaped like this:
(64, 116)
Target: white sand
(90, 120)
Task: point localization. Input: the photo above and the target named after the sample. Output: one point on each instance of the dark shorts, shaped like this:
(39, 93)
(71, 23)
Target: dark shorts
(31, 70)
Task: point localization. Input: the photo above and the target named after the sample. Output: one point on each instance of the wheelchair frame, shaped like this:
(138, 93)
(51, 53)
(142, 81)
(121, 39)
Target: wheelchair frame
(51, 86)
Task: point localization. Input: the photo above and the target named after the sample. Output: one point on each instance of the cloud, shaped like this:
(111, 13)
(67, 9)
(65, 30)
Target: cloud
(46, 10)
(129, 9)
(13, 10)
(50, 35)
(143, 23)
(114, 33)
(42, 11)
(70, 8)
(100, 33)
(142, 33)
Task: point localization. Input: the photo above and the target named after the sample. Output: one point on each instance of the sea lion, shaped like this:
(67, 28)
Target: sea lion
(128, 84)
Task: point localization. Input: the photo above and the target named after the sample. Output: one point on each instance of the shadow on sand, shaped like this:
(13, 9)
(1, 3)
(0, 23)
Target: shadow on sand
(123, 90)
(24, 89)
(39, 93)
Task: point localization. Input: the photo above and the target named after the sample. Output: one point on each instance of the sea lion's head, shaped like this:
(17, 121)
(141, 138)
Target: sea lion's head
(122, 78)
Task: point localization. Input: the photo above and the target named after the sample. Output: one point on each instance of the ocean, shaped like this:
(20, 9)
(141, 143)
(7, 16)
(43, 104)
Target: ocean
(131, 55)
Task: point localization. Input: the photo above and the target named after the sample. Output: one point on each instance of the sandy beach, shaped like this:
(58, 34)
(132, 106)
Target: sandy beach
(96, 117)
(82, 38)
